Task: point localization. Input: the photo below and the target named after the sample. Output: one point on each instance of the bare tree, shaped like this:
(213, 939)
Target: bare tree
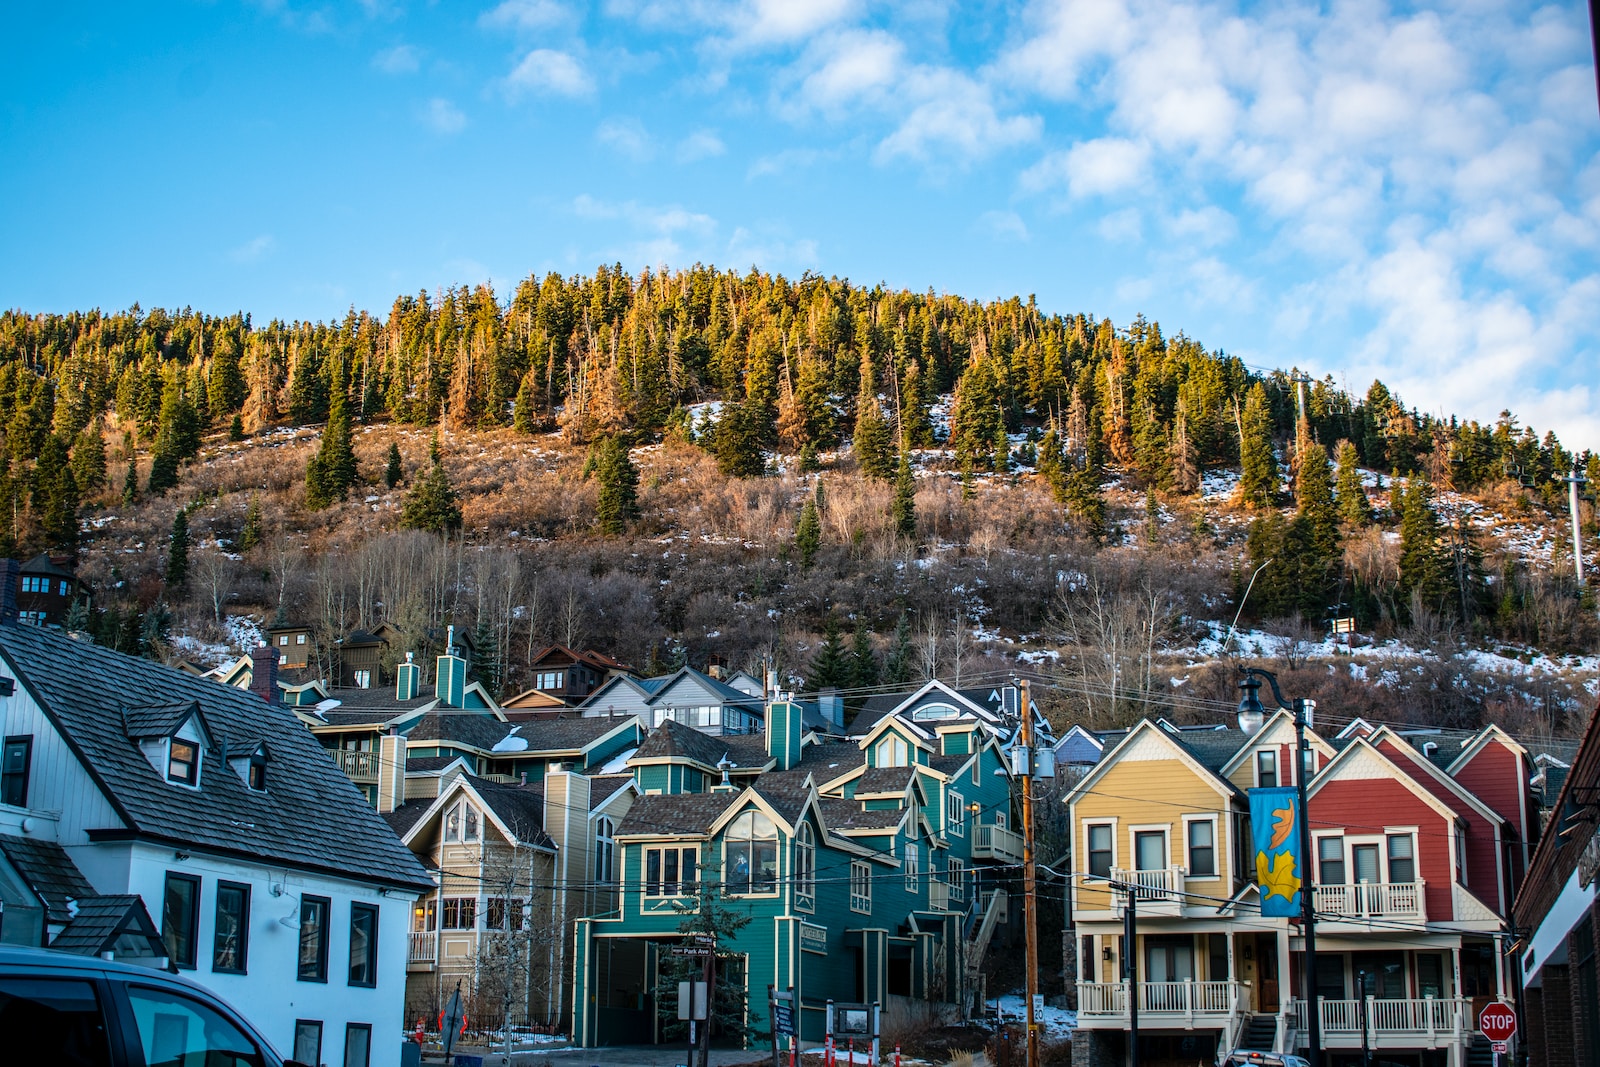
(1111, 635)
(215, 574)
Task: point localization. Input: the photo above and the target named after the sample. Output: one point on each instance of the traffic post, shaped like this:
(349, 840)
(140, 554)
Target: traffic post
(1498, 1023)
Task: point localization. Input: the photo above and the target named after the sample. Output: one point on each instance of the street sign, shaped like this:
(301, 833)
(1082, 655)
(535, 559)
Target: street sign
(690, 950)
(1497, 1021)
(450, 1022)
(783, 1018)
(1498, 1047)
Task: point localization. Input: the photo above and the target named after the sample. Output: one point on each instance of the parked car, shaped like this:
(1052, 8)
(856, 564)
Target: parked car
(78, 1011)
(1248, 1058)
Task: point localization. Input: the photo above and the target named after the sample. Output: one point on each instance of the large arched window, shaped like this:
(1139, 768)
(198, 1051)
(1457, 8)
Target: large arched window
(805, 866)
(605, 850)
(751, 854)
(892, 752)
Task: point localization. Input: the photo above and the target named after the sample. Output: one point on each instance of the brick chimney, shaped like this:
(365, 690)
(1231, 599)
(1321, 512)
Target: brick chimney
(264, 672)
(8, 590)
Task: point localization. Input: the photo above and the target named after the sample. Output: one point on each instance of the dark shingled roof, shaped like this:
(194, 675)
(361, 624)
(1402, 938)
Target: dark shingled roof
(157, 720)
(433, 763)
(562, 735)
(604, 786)
(403, 818)
(313, 817)
(520, 807)
(672, 738)
(380, 699)
(98, 921)
(480, 729)
(352, 717)
(682, 813)
(849, 815)
(1212, 749)
(786, 791)
(949, 764)
(50, 871)
(885, 779)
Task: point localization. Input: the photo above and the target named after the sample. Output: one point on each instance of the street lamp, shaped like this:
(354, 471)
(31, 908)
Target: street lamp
(1251, 718)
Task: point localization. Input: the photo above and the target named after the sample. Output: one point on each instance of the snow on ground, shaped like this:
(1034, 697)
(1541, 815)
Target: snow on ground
(1057, 1022)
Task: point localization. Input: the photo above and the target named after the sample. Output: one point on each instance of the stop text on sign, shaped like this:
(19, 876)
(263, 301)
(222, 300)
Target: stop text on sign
(1497, 1022)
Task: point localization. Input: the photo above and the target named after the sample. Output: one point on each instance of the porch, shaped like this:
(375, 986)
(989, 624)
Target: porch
(1408, 1023)
(1371, 900)
(996, 843)
(424, 952)
(1188, 1005)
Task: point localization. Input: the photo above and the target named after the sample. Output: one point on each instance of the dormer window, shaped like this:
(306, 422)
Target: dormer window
(183, 762)
(461, 824)
(256, 774)
(934, 711)
(893, 752)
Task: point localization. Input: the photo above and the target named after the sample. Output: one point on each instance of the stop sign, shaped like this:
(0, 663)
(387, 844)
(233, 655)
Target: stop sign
(1497, 1021)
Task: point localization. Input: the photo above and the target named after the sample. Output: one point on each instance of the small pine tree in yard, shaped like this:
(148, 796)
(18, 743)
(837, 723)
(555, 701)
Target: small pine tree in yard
(808, 534)
(709, 917)
(178, 552)
(618, 501)
(431, 504)
(904, 513)
(393, 472)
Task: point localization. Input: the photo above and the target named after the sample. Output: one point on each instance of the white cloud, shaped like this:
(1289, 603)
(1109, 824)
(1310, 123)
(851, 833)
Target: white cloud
(1003, 225)
(547, 71)
(1104, 166)
(848, 67)
(953, 118)
(740, 25)
(441, 116)
(524, 15)
(701, 144)
(628, 137)
(401, 59)
(253, 250)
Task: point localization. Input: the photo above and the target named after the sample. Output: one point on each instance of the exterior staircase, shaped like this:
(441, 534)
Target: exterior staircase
(1479, 1053)
(1259, 1033)
(978, 931)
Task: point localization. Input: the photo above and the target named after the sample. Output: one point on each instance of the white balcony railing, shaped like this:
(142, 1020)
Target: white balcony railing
(1429, 1019)
(1372, 900)
(1188, 998)
(938, 896)
(424, 949)
(1164, 884)
(996, 843)
(357, 766)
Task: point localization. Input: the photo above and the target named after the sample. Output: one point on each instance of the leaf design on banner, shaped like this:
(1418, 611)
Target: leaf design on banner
(1278, 879)
(1282, 826)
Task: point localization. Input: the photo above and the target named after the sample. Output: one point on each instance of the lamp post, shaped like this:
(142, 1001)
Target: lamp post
(1251, 718)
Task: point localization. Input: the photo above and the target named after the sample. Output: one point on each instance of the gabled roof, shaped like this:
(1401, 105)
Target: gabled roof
(480, 729)
(675, 814)
(1426, 770)
(43, 564)
(673, 740)
(316, 819)
(1486, 736)
(1243, 745)
(160, 720)
(560, 736)
(517, 811)
(47, 868)
(1362, 748)
(101, 921)
(1182, 749)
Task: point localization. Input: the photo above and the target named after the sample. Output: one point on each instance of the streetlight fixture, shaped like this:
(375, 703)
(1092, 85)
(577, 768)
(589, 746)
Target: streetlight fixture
(1251, 718)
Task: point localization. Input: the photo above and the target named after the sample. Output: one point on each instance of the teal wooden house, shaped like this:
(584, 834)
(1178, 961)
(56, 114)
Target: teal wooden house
(873, 868)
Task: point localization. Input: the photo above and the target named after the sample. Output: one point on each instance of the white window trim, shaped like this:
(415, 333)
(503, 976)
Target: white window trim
(957, 803)
(955, 876)
(1087, 825)
(806, 839)
(1216, 850)
(1164, 829)
(1255, 766)
(1377, 840)
(861, 904)
(1316, 854)
(911, 865)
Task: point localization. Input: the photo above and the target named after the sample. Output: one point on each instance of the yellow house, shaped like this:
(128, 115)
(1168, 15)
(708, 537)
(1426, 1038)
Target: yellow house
(1156, 820)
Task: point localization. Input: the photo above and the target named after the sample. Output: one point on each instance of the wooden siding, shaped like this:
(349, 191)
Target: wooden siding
(1481, 863)
(1498, 776)
(57, 782)
(1363, 807)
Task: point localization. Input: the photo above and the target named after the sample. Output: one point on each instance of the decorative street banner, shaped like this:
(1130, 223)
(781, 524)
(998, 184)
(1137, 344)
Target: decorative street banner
(1275, 826)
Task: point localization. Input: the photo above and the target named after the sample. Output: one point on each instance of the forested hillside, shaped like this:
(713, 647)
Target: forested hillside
(863, 485)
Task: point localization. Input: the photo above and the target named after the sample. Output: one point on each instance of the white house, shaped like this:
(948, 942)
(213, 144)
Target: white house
(270, 878)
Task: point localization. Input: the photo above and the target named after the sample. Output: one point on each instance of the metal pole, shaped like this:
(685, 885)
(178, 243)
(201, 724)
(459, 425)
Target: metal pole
(1130, 969)
(1361, 999)
(711, 1011)
(1307, 912)
(1029, 909)
(1574, 480)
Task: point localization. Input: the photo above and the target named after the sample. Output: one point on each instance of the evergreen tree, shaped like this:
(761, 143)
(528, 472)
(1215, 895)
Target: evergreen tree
(79, 618)
(830, 664)
(89, 461)
(808, 534)
(1422, 565)
(56, 496)
(898, 667)
(736, 441)
(711, 918)
(178, 553)
(904, 512)
(863, 663)
(152, 630)
(1258, 477)
(807, 462)
(431, 503)
(250, 533)
(1313, 491)
(130, 481)
(616, 504)
(1152, 516)
(1354, 507)
(236, 429)
(1081, 490)
(332, 470)
(976, 423)
(486, 659)
(393, 472)
(872, 440)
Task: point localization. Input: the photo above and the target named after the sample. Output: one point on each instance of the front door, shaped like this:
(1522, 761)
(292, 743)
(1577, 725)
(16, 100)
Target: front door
(1267, 973)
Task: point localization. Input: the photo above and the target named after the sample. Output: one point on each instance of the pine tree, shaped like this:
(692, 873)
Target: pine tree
(1354, 507)
(736, 441)
(486, 659)
(830, 664)
(393, 472)
(872, 440)
(431, 503)
(616, 504)
(332, 471)
(236, 429)
(89, 461)
(863, 663)
(1422, 565)
(130, 481)
(178, 553)
(56, 496)
(807, 462)
(1258, 477)
(710, 917)
(897, 668)
(904, 513)
(1313, 491)
(808, 534)
(250, 533)
(1152, 516)
(975, 420)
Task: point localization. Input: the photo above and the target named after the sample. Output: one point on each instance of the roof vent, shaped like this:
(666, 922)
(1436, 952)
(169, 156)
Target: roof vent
(1429, 748)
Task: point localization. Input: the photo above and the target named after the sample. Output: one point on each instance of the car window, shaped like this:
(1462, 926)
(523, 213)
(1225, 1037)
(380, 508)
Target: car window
(52, 1020)
(180, 1031)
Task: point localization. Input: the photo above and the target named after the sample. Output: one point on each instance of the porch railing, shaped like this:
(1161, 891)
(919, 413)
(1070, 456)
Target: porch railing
(1161, 884)
(357, 766)
(1188, 998)
(424, 948)
(1396, 900)
(1428, 1017)
(996, 843)
(938, 896)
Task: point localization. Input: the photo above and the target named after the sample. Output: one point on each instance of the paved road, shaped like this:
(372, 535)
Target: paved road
(641, 1056)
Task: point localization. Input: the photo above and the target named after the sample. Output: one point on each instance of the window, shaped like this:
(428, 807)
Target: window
(312, 963)
(1150, 850)
(425, 917)
(461, 824)
(605, 850)
(1461, 854)
(1202, 848)
(183, 761)
(669, 872)
(256, 772)
(460, 913)
(180, 916)
(805, 865)
(1266, 768)
(1308, 762)
(861, 886)
(63, 587)
(308, 1040)
(176, 1030)
(751, 853)
(892, 752)
(956, 875)
(63, 1022)
(299, 639)
(934, 711)
(955, 814)
(1402, 861)
(363, 679)
(912, 862)
(1330, 860)
(363, 944)
(1100, 835)
(14, 771)
(230, 941)
(503, 913)
(357, 1044)
(283, 642)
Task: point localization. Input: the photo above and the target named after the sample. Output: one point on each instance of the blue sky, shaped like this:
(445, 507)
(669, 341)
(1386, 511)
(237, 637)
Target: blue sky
(1358, 189)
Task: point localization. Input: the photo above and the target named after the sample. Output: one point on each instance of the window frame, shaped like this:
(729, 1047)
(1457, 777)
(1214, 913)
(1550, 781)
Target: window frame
(955, 876)
(686, 856)
(910, 866)
(193, 918)
(1089, 851)
(1189, 872)
(805, 868)
(955, 805)
(1342, 859)
(1261, 755)
(242, 933)
(324, 907)
(1164, 831)
(350, 1030)
(1390, 836)
(752, 885)
(466, 913)
(897, 749)
(370, 962)
(13, 741)
(307, 1025)
(605, 850)
(192, 779)
(861, 887)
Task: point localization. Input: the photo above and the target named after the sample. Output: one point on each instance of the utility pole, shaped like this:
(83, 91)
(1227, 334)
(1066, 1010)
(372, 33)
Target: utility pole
(1302, 428)
(1029, 904)
(1130, 965)
(1574, 480)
